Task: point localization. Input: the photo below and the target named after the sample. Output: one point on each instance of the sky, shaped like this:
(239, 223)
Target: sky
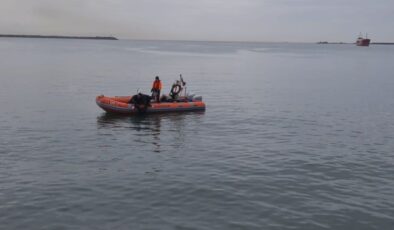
(212, 20)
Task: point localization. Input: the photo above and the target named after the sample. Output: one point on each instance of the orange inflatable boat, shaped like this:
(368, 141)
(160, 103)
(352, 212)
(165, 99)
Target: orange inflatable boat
(121, 105)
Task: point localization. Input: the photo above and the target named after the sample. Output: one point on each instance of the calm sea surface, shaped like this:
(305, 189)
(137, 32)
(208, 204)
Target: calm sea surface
(295, 136)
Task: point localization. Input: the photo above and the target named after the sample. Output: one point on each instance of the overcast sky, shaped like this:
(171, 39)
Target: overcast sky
(224, 20)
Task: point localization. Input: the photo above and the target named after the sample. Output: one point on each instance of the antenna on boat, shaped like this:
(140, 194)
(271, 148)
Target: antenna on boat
(183, 82)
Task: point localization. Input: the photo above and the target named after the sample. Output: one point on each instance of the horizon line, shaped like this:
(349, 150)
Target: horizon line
(154, 39)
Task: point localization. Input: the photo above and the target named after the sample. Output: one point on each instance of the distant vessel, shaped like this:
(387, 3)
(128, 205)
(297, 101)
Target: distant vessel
(363, 41)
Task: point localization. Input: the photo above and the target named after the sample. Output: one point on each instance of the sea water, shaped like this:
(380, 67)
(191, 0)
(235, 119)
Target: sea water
(295, 136)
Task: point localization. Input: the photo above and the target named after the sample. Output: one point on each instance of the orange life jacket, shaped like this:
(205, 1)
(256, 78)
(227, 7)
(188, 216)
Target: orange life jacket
(157, 85)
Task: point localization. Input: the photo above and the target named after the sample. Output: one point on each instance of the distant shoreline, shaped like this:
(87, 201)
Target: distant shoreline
(382, 43)
(57, 37)
(328, 43)
(372, 43)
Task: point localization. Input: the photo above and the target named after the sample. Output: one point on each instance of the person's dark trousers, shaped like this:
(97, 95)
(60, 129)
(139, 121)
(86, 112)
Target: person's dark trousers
(157, 95)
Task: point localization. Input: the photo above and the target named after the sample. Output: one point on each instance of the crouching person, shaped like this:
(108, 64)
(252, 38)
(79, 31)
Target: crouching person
(141, 102)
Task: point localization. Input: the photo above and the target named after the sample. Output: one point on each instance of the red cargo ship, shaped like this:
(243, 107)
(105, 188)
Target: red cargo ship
(363, 41)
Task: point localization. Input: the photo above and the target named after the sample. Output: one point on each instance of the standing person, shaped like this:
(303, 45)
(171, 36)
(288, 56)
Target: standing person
(156, 88)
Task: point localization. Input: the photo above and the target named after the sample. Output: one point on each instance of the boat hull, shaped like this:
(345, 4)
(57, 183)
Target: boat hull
(120, 105)
(363, 42)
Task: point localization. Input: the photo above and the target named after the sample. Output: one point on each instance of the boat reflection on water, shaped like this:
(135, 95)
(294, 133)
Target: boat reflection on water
(154, 129)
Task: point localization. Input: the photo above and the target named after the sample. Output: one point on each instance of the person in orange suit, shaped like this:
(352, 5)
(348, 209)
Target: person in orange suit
(156, 88)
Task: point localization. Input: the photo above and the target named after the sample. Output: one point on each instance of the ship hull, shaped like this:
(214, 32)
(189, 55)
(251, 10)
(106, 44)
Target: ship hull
(363, 42)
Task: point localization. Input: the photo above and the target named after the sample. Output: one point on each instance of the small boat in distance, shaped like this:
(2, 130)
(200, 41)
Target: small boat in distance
(361, 41)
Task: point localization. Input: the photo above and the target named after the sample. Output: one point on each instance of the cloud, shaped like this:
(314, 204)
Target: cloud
(252, 20)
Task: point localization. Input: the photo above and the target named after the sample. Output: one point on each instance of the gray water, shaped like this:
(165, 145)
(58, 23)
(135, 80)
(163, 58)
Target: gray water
(295, 136)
